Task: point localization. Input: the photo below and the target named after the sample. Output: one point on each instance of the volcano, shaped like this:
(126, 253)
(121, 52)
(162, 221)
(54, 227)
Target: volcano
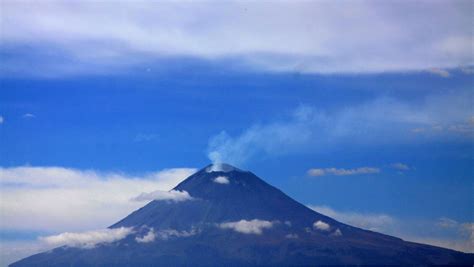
(234, 218)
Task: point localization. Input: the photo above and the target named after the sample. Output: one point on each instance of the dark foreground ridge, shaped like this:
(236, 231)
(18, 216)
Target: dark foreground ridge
(235, 218)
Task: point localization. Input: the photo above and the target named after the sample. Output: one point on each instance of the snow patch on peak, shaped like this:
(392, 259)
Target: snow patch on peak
(221, 180)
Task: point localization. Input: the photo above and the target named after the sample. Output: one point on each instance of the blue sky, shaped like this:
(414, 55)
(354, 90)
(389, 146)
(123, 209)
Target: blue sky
(123, 93)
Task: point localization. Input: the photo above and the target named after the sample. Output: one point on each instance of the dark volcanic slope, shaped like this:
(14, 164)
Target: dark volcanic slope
(244, 222)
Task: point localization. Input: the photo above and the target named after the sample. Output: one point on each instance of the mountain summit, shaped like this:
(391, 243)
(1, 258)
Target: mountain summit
(234, 218)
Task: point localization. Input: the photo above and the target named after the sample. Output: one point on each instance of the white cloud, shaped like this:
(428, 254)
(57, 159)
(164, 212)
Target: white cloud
(37, 198)
(221, 180)
(440, 72)
(1, 119)
(254, 226)
(88, 239)
(382, 120)
(219, 166)
(149, 237)
(467, 70)
(320, 225)
(444, 232)
(447, 223)
(337, 232)
(374, 222)
(302, 36)
(173, 195)
(170, 233)
(400, 166)
(456, 244)
(28, 116)
(342, 172)
(273, 138)
(291, 236)
(11, 251)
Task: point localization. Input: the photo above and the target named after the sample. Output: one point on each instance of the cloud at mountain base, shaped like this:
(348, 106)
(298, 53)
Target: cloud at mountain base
(320, 225)
(254, 226)
(444, 232)
(45, 194)
(173, 195)
(147, 238)
(87, 239)
(221, 180)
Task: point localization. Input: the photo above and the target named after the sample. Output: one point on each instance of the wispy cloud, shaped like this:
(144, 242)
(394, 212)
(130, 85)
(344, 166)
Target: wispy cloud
(166, 234)
(400, 166)
(254, 226)
(2, 120)
(440, 72)
(221, 180)
(91, 199)
(88, 239)
(11, 251)
(370, 221)
(444, 232)
(173, 195)
(383, 120)
(283, 36)
(342, 172)
(148, 237)
(467, 70)
(320, 225)
(28, 116)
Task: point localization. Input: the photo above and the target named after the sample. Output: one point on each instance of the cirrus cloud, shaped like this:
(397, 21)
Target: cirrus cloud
(342, 172)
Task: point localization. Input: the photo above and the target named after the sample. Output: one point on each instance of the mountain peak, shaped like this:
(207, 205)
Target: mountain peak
(235, 218)
(221, 167)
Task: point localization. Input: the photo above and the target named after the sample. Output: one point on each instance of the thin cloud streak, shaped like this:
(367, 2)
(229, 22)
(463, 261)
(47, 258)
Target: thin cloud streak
(342, 172)
(89, 239)
(160, 195)
(444, 232)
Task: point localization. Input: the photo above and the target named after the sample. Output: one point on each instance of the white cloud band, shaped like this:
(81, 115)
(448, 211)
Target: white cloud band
(88, 239)
(254, 226)
(221, 180)
(343, 172)
(302, 36)
(44, 194)
(173, 195)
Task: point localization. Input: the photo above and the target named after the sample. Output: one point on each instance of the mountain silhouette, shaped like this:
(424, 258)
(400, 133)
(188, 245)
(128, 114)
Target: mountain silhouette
(234, 218)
